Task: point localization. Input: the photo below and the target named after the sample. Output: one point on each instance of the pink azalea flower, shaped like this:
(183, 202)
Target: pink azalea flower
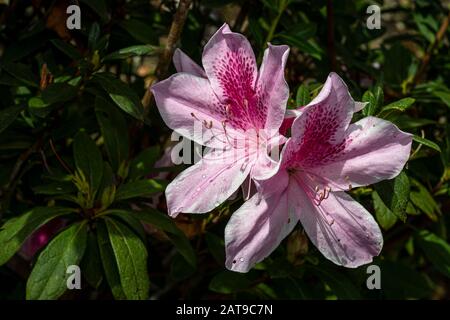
(239, 111)
(325, 156)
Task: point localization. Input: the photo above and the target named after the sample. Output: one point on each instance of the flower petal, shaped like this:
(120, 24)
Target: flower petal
(230, 66)
(374, 150)
(272, 88)
(183, 63)
(205, 185)
(185, 103)
(257, 228)
(319, 131)
(342, 229)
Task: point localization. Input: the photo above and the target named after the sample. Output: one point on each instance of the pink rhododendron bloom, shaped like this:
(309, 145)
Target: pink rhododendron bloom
(239, 109)
(325, 157)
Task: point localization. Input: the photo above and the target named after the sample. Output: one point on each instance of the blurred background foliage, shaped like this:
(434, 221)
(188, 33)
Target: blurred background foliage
(82, 171)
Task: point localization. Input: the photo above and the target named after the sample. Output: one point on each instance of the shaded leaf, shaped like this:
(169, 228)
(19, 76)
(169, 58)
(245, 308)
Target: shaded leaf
(15, 231)
(131, 258)
(48, 280)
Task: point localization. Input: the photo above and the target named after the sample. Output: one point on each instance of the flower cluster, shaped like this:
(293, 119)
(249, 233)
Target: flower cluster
(241, 110)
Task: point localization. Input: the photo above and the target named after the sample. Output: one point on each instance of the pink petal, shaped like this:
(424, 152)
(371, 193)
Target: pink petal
(205, 185)
(374, 150)
(230, 66)
(185, 102)
(273, 90)
(319, 132)
(257, 228)
(342, 229)
(183, 63)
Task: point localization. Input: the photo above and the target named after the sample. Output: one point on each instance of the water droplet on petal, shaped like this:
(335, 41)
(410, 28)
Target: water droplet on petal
(241, 259)
(203, 176)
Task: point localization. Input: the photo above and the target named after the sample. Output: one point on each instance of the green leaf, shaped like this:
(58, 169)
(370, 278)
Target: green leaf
(436, 249)
(129, 52)
(399, 281)
(99, 7)
(229, 282)
(91, 263)
(22, 73)
(141, 31)
(7, 116)
(395, 194)
(121, 94)
(375, 99)
(131, 221)
(114, 131)
(67, 49)
(109, 261)
(131, 257)
(427, 143)
(59, 92)
(180, 269)
(216, 247)
(55, 188)
(341, 285)
(143, 163)
(303, 97)
(89, 160)
(444, 96)
(404, 121)
(176, 236)
(48, 280)
(15, 231)
(384, 216)
(400, 105)
(423, 200)
(139, 188)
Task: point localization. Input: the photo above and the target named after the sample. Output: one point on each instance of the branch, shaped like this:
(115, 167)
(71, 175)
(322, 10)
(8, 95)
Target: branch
(166, 56)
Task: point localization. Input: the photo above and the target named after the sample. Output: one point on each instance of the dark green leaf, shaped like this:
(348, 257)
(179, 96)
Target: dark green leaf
(114, 130)
(48, 280)
(91, 263)
(375, 99)
(395, 194)
(15, 231)
(22, 73)
(229, 282)
(139, 188)
(144, 162)
(109, 262)
(139, 30)
(88, 159)
(121, 94)
(302, 98)
(216, 247)
(384, 215)
(8, 115)
(67, 49)
(131, 258)
(129, 52)
(55, 188)
(427, 143)
(436, 249)
(341, 285)
(99, 7)
(400, 105)
(165, 223)
(59, 92)
(423, 200)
